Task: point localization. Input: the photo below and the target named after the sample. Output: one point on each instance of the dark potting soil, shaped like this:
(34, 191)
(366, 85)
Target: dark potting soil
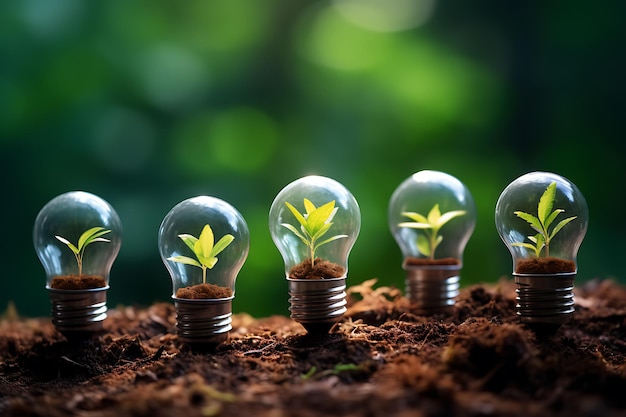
(547, 265)
(206, 290)
(321, 269)
(380, 359)
(411, 261)
(77, 282)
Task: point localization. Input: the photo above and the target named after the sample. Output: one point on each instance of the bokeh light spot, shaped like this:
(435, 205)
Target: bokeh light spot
(386, 15)
(328, 39)
(240, 139)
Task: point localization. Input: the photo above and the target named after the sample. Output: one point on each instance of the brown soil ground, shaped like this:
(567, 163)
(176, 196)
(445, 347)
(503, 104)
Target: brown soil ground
(321, 269)
(77, 282)
(548, 265)
(379, 360)
(203, 291)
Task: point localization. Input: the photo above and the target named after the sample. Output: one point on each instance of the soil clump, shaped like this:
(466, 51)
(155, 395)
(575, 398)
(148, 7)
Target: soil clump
(321, 269)
(203, 291)
(77, 282)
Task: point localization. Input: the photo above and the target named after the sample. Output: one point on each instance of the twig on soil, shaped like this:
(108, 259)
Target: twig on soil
(257, 351)
(65, 358)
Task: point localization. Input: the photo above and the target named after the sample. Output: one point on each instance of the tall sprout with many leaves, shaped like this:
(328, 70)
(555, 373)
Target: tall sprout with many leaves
(542, 222)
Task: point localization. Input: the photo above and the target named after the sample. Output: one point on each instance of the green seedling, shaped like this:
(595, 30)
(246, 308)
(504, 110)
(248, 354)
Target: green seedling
(542, 222)
(205, 249)
(431, 224)
(89, 236)
(314, 224)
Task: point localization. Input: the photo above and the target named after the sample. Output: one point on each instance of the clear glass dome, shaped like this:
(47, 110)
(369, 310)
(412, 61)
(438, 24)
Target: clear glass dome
(190, 217)
(64, 219)
(430, 198)
(557, 209)
(319, 191)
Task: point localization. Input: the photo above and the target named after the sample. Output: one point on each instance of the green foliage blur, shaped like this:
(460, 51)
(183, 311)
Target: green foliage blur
(147, 103)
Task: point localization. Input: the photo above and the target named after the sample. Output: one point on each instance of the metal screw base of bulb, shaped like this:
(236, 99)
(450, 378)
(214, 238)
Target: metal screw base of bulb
(78, 313)
(203, 321)
(433, 290)
(317, 304)
(547, 299)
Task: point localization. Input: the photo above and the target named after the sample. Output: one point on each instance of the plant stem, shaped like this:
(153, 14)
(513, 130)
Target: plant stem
(203, 274)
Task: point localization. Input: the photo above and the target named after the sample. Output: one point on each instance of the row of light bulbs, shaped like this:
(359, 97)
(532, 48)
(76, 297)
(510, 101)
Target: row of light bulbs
(314, 222)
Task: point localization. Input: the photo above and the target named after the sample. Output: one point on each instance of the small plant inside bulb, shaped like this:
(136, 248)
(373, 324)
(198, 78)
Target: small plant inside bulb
(540, 242)
(81, 281)
(206, 250)
(314, 224)
(428, 241)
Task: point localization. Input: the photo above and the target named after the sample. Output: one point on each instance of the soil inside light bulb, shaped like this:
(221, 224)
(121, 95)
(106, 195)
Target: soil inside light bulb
(77, 282)
(413, 261)
(321, 269)
(201, 291)
(547, 265)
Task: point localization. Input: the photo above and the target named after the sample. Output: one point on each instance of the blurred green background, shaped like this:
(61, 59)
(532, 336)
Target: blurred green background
(148, 103)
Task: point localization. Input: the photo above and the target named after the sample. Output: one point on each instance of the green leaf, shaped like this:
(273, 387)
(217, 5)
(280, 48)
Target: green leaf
(415, 225)
(330, 239)
(204, 246)
(446, 217)
(69, 244)
(423, 245)
(296, 232)
(318, 217)
(524, 245)
(189, 240)
(185, 260)
(418, 218)
(222, 244)
(560, 225)
(434, 215)
(532, 220)
(551, 218)
(322, 231)
(90, 235)
(309, 373)
(309, 207)
(297, 214)
(546, 202)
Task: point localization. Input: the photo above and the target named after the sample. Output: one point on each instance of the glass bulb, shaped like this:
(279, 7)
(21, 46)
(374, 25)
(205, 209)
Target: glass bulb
(77, 237)
(203, 242)
(542, 218)
(314, 222)
(432, 217)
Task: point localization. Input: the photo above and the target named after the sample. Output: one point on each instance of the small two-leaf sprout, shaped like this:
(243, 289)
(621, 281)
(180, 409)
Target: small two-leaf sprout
(431, 224)
(541, 224)
(205, 249)
(314, 224)
(89, 236)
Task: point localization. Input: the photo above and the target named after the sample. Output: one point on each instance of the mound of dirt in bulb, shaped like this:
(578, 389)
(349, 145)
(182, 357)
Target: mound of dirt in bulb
(77, 282)
(380, 359)
(411, 261)
(321, 269)
(206, 290)
(547, 265)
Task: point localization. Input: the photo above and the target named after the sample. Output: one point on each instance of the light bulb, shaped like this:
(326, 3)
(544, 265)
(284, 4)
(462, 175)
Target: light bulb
(432, 216)
(203, 242)
(542, 218)
(314, 222)
(77, 237)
